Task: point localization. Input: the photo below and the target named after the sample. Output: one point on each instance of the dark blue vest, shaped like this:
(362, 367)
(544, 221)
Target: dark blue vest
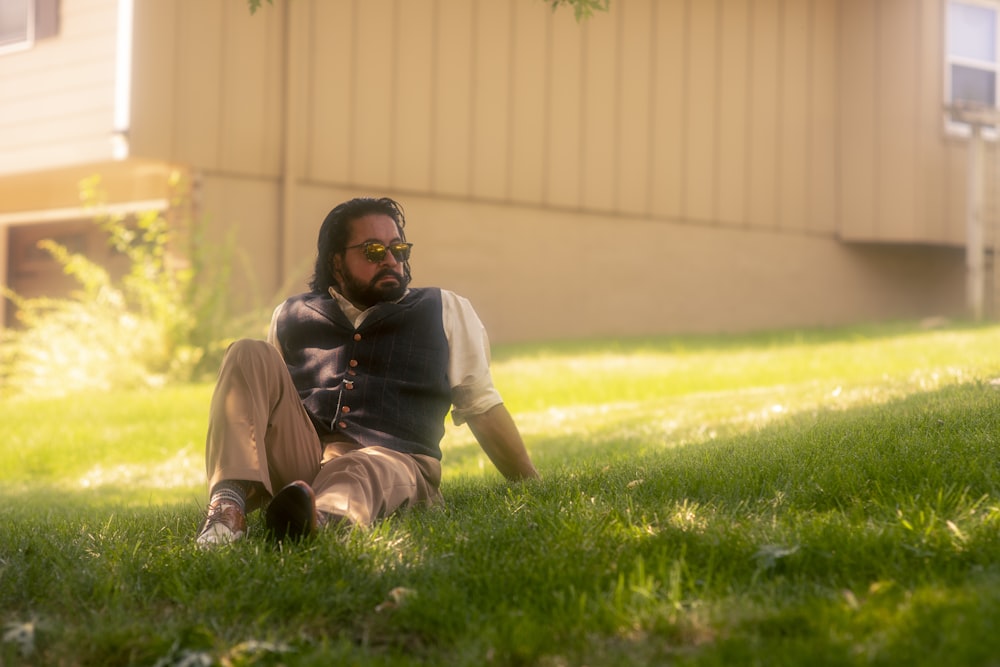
(384, 383)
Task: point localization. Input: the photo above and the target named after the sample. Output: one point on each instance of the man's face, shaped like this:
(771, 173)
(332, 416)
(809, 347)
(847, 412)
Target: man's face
(363, 282)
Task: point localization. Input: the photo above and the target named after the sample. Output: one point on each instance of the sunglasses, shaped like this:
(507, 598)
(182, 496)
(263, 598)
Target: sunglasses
(375, 251)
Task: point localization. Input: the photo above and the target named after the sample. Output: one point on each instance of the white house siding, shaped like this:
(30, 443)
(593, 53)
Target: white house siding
(57, 98)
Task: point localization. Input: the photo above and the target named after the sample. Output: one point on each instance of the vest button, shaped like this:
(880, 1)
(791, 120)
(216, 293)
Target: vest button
(348, 384)
(353, 363)
(357, 336)
(341, 424)
(345, 409)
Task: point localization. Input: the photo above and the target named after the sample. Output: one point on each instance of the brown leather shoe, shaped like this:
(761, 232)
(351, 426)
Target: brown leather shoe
(225, 523)
(292, 513)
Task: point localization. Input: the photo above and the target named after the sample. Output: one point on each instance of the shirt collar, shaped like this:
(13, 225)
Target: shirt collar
(352, 312)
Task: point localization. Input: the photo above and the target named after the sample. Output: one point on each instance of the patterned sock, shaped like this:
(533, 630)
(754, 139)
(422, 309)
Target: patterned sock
(231, 492)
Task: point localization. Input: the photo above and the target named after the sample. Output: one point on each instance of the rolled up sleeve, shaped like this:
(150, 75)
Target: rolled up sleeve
(472, 390)
(272, 330)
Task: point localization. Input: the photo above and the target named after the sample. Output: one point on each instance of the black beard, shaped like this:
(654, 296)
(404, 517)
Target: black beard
(367, 295)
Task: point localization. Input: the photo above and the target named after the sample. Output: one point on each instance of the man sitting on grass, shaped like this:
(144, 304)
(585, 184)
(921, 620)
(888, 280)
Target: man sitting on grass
(339, 416)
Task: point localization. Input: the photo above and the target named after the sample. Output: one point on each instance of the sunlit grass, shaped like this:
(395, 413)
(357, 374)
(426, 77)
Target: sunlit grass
(636, 395)
(789, 498)
(115, 443)
(670, 392)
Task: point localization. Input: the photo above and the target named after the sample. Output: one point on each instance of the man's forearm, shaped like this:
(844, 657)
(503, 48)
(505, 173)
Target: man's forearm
(498, 436)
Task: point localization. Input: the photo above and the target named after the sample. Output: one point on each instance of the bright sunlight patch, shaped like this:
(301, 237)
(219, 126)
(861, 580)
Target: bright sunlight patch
(185, 468)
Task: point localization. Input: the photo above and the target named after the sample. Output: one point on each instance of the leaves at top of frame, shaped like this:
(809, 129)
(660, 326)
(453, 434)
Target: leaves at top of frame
(582, 9)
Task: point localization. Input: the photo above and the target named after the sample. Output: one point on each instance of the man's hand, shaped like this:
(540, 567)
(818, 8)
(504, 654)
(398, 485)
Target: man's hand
(498, 436)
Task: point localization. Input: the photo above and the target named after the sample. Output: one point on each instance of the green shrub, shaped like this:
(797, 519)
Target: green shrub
(163, 320)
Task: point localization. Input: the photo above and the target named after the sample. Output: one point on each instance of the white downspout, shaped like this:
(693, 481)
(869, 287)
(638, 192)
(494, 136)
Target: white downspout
(974, 246)
(123, 82)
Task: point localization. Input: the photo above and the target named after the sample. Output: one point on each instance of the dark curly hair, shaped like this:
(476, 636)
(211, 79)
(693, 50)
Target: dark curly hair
(334, 230)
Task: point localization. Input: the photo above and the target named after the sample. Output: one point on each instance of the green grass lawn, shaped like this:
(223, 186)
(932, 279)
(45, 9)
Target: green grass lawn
(796, 498)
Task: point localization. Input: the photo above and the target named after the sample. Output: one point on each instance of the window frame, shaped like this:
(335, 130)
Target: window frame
(952, 126)
(42, 21)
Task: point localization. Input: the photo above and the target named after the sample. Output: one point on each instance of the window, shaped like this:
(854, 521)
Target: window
(22, 22)
(972, 57)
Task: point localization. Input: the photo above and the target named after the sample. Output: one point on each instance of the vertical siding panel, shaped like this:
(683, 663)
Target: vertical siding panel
(372, 95)
(857, 133)
(702, 108)
(667, 162)
(527, 100)
(634, 117)
(794, 109)
(823, 129)
(932, 157)
(764, 114)
(331, 117)
(412, 109)
(274, 94)
(562, 163)
(199, 76)
(244, 126)
(958, 166)
(600, 104)
(453, 102)
(492, 82)
(896, 130)
(156, 98)
(732, 166)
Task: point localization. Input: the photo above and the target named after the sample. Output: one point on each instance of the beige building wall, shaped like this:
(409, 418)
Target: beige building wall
(902, 177)
(669, 166)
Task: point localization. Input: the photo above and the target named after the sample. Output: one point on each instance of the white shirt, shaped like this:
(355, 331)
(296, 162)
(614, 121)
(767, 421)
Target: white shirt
(472, 390)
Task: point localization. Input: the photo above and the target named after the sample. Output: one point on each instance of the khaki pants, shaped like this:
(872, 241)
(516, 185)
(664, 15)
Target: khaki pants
(259, 431)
